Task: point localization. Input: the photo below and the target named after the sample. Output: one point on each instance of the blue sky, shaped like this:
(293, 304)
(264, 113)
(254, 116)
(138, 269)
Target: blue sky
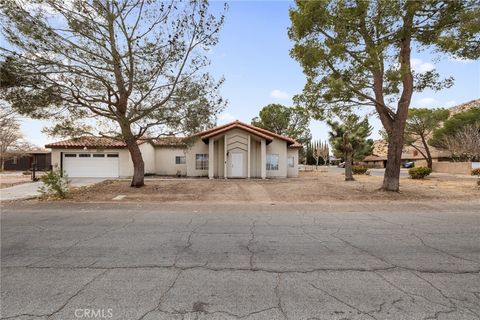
(253, 55)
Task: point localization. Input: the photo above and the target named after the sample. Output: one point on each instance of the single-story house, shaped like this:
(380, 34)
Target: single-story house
(378, 158)
(24, 161)
(233, 150)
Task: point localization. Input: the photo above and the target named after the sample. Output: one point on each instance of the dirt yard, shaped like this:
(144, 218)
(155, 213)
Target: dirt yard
(12, 179)
(309, 187)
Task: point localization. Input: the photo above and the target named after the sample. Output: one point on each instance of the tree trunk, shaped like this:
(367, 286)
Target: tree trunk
(137, 159)
(348, 167)
(138, 164)
(428, 154)
(391, 178)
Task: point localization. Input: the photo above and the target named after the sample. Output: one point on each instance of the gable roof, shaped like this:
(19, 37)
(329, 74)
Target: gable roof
(267, 135)
(170, 142)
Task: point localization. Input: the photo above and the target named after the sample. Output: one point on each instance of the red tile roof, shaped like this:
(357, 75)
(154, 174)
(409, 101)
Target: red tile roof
(268, 135)
(88, 142)
(170, 142)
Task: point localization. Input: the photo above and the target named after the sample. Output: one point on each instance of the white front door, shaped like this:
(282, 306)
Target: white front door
(237, 164)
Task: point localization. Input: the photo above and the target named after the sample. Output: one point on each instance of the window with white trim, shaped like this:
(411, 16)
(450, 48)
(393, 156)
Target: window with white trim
(272, 162)
(180, 160)
(291, 162)
(201, 161)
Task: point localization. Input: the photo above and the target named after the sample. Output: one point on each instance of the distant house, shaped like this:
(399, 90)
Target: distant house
(26, 160)
(233, 150)
(378, 158)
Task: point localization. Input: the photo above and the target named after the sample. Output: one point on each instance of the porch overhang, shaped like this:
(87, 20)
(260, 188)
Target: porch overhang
(206, 137)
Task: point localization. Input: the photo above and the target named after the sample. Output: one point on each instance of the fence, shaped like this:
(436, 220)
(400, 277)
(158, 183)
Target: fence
(455, 167)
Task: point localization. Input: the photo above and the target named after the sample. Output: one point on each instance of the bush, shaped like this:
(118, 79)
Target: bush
(476, 172)
(419, 172)
(359, 169)
(54, 185)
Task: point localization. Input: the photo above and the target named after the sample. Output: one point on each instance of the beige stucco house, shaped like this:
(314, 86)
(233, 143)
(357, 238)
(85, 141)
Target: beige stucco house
(233, 150)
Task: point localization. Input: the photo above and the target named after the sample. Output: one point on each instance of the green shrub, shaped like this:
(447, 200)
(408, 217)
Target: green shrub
(419, 172)
(476, 172)
(54, 185)
(359, 169)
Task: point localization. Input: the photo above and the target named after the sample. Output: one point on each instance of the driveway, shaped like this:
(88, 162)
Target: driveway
(336, 260)
(30, 190)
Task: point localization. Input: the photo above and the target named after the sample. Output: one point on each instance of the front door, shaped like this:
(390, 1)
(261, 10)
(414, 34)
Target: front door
(237, 164)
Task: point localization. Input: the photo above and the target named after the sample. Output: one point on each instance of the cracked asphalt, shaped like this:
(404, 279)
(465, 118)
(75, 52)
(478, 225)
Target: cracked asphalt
(327, 260)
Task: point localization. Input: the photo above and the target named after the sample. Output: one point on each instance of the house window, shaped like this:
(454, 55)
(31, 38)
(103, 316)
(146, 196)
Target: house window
(272, 161)
(201, 161)
(84, 155)
(70, 155)
(112, 155)
(180, 160)
(98, 155)
(291, 162)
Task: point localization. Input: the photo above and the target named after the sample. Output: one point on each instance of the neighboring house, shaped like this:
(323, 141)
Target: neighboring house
(378, 158)
(233, 150)
(26, 160)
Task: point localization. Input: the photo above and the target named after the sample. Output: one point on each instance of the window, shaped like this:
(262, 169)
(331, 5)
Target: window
(272, 161)
(98, 155)
(70, 155)
(180, 160)
(84, 155)
(291, 162)
(201, 161)
(112, 155)
(14, 160)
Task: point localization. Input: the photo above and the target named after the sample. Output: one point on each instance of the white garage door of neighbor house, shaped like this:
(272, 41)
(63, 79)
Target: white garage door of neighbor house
(91, 165)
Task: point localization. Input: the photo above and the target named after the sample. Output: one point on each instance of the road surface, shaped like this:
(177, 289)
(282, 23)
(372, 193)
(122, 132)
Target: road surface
(387, 260)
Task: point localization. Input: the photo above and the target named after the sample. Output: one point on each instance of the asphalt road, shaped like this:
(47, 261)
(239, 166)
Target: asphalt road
(241, 261)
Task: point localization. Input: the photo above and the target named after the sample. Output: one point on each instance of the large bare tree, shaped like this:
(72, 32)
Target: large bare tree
(122, 69)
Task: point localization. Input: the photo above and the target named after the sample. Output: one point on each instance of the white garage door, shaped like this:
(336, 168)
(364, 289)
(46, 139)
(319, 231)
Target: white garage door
(89, 165)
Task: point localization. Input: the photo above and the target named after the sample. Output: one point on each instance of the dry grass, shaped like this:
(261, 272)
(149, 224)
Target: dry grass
(309, 187)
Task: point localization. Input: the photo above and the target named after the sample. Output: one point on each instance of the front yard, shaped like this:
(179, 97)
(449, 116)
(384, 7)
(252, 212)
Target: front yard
(9, 179)
(309, 187)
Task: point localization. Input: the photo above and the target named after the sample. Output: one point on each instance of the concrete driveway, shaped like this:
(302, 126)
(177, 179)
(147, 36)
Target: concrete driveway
(30, 189)
(332, 260)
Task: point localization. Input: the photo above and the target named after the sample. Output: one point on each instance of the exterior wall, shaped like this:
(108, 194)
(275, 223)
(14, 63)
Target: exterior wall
(148, 154)
(125, 164)
(452, 167)
(197, 147)
(165, 161)
(278, 147)
(292, 172)
(255, 160)
(23, 163)
(219, 158)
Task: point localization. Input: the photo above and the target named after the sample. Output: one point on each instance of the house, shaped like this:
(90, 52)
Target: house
(26, 160)
(233, 150)
(378, 158)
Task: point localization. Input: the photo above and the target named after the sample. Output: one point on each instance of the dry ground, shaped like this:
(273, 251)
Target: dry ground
(309, 187)
(9, 179)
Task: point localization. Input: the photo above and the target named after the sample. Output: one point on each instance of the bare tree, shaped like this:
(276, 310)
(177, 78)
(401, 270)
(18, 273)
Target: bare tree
(465, 143)
(10, 137)
(130, 67)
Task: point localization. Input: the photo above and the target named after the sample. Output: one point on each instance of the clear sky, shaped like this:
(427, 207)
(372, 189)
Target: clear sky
(253, 55)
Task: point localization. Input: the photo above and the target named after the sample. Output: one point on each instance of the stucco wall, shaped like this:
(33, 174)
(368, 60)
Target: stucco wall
(165, 161)
(148, 154)
(237, 142)
(198, 146)
(278, 147)
(292, 172)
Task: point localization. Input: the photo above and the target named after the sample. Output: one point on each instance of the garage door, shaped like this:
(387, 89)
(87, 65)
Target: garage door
(90, 165)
